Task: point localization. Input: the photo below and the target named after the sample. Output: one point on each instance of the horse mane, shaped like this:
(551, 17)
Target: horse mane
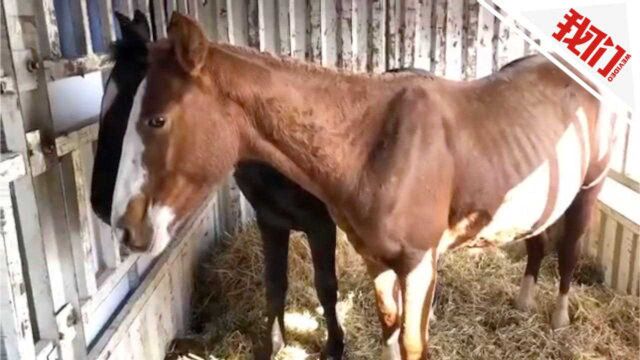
(250, 54)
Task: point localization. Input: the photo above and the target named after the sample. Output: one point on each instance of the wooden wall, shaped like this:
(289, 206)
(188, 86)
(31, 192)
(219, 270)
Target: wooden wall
(457, 39)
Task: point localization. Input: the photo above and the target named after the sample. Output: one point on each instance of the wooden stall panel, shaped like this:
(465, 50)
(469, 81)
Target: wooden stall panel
(360, 35)
(423, 36)
(453, 40)
(329, 32)
(377, 34)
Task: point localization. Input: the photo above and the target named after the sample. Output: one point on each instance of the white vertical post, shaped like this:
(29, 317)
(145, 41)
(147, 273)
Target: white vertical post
(267, 21)
(423, 36)
(329, 34)
(298, 13)
(378, 36)
(453, 53)
(360, 38)
(315, 28)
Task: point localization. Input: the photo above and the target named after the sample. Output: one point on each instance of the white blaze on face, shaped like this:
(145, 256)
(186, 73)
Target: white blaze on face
(109, 96)
(160, 217)
(132, 176)
(131, 173)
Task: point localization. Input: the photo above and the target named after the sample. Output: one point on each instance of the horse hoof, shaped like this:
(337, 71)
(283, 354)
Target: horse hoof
(391, 352)
(526, 304)
(560, 319)
(332, 352)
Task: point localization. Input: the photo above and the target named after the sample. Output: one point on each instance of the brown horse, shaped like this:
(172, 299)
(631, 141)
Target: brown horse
(409, 166)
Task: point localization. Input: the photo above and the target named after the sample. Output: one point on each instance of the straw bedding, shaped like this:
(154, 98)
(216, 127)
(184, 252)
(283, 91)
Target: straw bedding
(475, 316)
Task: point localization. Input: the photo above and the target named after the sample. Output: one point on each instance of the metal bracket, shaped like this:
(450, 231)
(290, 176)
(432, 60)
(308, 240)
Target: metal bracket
(26, 76)
(67, 318)
(36, 153)
(7, 86)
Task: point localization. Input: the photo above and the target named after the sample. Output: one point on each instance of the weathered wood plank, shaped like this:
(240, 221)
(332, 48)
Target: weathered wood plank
(469, 42)
(608, 247)
(63, 68)
(14, 313)
(222, 21)
(345, 35)
(253, 24)
(106, 23)
(377, 36)
(284, 28)
(193, 7)
(422, 52)
(81, 24)
(81, 229)
(12, 167)
(267, 21)
(625, 264)
(237, 22)
(408, 32)
(453, 52)
(634, 279)
(510, 45)
(43, 275)
(484, 43)
(314, 50)
(314, 43)
(160, 19)
(394, 10)
(360, 36)
(298, 16)
(183, 6)
(616, 264)
(329, 32)
(106, 282)
(74, 140)
(124, 6)
(439, 17)
(47, 30)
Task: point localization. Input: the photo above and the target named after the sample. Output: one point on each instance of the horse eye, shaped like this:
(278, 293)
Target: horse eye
(156, 121)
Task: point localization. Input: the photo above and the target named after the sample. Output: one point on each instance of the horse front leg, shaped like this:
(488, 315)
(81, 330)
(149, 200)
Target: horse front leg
(275, 242)
(388, 306)
(322, 241)
(418, 287)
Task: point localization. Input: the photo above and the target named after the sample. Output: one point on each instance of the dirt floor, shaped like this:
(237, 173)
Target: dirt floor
(476, 318)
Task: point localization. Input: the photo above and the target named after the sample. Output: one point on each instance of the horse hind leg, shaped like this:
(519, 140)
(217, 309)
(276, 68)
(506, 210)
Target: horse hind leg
(275, 242)
(322, 241)
(535, 253)
(577, 219)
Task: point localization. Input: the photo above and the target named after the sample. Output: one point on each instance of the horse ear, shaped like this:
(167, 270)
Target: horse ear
(141, 25)
(189, 42)
(123, 20)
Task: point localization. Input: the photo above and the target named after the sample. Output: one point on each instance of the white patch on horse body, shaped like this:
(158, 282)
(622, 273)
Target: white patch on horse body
(525, 300)
(109, 96)
(131, 173)
(521, 207)
(524, 205)
(560, 317)
(160, 217)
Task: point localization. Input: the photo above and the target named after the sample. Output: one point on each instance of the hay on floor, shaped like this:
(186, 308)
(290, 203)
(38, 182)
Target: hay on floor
(476, 316)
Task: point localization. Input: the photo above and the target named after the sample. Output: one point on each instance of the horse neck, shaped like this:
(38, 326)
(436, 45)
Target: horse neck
(307, 123)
